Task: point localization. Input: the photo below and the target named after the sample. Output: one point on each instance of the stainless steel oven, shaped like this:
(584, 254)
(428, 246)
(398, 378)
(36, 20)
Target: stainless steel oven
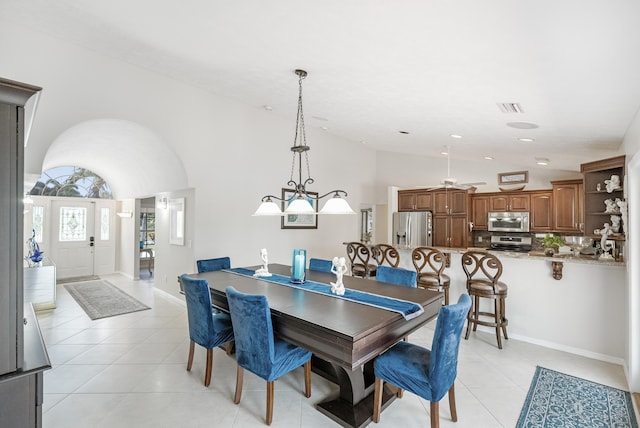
(508, 221)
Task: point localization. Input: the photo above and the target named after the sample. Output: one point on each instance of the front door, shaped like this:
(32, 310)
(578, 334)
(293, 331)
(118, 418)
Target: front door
(73, 237)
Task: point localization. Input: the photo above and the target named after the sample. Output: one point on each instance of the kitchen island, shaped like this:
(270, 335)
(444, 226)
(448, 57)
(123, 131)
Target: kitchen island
(584, 313)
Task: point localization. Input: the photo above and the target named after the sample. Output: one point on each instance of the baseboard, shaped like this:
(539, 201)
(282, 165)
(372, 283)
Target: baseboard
(636, 404)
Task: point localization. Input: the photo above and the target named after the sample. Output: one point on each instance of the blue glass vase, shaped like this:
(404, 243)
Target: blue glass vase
(299, 266)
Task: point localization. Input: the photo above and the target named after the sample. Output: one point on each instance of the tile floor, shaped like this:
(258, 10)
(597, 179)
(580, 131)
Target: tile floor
(130, 371)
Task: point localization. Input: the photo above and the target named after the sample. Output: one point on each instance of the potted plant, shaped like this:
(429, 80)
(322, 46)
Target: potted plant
(551, 244)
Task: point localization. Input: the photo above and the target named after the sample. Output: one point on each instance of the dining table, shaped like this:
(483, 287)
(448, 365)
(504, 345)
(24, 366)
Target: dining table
(344, 335)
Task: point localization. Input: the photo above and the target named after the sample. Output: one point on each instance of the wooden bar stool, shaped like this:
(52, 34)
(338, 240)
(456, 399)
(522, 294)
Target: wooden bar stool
(430, 263)
(359, 257)
(385, 253)
(483, 272)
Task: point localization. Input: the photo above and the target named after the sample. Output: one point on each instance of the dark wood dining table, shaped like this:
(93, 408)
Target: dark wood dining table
(344, 336)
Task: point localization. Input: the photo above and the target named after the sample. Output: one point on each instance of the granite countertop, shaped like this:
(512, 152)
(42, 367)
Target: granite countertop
(537, 255)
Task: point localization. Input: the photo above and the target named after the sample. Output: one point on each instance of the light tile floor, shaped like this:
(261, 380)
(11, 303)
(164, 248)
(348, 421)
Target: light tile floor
(130, 371)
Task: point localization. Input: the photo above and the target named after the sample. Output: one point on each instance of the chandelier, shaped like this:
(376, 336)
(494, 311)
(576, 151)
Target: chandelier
(300, 201)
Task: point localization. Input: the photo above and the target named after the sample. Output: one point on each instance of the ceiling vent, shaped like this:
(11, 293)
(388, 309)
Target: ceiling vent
(510, 108)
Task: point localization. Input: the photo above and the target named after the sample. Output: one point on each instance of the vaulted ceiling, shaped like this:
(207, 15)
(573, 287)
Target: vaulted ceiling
(394, 75)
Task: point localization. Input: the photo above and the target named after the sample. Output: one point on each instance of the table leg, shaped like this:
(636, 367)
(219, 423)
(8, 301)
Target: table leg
(354, 406)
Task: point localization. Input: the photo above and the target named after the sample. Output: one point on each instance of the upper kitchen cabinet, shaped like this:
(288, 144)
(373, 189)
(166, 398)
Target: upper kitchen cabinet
(568, 212)
(450, 202)
(480, 211)
(415, 200)
(509, 202)
(541, 217)
(596, 193)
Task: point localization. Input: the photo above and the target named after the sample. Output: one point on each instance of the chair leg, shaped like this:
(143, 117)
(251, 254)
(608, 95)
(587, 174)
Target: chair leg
(192, 346)
(270, 391)
(207, 373)
(504, 317)
(239, 377)
(435, 415)
(377, 400)
(228, 347)
(476, 309)
(498, 320)
(446, 296)
(469, 315)
(452, 404)
(307, 379)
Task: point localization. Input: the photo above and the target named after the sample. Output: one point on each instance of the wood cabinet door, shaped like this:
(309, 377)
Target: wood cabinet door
(441, 231)
(519, 203)
(499, 203)
(424, 201)
(541, 218)
(406, 201)
(441, 202)
(458, 231)
(480, 212)
(458, 202)
(565, 207)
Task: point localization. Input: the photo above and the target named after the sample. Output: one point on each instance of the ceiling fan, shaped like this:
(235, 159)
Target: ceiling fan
(452, 183)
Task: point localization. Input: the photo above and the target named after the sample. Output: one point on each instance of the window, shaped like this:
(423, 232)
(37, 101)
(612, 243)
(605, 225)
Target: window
(104, 223)
(73, 224)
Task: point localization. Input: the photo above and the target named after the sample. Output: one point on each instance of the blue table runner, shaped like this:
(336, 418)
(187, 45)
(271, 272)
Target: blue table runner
(408, 310)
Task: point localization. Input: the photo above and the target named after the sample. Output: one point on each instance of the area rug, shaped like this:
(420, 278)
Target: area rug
(559, 400)
(77, 279)
(101, 299)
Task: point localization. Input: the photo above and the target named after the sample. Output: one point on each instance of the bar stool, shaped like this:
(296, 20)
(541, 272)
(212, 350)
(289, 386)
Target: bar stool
(359, 257)
(483, 271)
(430, 263)
(385, 253)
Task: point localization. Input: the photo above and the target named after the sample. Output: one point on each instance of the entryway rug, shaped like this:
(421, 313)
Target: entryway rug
(559, 400)
(101, 299)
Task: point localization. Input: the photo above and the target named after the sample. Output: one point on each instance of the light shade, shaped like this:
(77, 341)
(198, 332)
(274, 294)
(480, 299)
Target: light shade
(336, 205)
(300, 206)
(268, 208)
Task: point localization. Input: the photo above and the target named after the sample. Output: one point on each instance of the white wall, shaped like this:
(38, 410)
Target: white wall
(233, 153)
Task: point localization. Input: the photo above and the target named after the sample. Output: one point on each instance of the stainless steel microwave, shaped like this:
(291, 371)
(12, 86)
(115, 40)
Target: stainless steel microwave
(508, 221)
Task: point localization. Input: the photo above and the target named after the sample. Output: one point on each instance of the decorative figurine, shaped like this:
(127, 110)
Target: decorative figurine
(613, 183)
(623, 212)
(35, 256)
(605, 232)
(615, 223)
(612, 207)
(264, 270)
(339, 268)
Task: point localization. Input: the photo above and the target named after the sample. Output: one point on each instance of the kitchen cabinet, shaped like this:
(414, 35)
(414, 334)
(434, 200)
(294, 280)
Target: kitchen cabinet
(450, 202)
(415, 200)
(450, 231)
(450, 220)
(595, 173)
(518, 202)
(480, 212)
(568, 214)
(541, 213)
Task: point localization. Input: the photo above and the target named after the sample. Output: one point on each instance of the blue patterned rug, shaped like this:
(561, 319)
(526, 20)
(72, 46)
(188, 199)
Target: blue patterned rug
(559, 400)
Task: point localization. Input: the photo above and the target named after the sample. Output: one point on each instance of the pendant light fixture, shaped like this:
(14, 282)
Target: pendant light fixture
(299, 203)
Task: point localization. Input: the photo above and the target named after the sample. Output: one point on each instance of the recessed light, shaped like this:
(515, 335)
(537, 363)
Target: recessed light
(455, 136)
(404, 132)
(444, 152)
(488, 158)
(542, 161)
(324, 128)
(526, 140)
(522, 125)
(363, 142)
(267, 107)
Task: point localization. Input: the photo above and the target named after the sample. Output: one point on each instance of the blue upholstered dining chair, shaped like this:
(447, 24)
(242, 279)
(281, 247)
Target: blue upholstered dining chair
(210, 265)
(205, 328)
(426, 373)
(396, 276)
(320, 265)
(257, 350)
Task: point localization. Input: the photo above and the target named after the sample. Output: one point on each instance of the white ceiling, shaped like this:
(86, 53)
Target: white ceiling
(428, 67)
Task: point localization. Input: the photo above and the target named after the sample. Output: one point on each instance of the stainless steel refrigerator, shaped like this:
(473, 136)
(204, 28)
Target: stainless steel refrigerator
(412, 229)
